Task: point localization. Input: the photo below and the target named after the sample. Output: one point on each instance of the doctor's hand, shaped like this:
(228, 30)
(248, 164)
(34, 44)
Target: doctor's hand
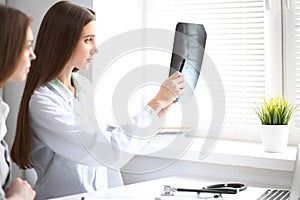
(20, 190)
(168, 92)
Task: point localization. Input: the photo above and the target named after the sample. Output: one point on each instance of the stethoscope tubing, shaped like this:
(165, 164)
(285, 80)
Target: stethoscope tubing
(229, 188)
(219, 191)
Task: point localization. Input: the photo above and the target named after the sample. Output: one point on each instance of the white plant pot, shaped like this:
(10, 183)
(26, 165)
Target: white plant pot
(275, 137)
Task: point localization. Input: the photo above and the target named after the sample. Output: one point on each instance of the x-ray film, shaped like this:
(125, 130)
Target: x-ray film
(187, 55)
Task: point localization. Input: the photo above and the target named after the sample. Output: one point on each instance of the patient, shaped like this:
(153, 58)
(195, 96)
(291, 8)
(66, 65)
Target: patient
(64, 164)
(15, 55)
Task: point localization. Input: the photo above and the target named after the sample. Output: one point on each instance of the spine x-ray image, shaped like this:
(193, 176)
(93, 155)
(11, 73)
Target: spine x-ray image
(187, 55)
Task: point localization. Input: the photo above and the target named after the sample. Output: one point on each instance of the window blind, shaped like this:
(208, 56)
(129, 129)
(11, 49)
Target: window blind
(235, 43)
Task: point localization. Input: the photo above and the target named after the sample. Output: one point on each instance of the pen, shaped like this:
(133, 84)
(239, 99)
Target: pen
(182, 65)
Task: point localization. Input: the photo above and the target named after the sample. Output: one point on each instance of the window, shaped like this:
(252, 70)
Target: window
(254, 45)
(235, 43)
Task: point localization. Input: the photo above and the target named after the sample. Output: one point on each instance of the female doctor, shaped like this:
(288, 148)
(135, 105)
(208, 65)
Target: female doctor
(70, 154)
(15, 55)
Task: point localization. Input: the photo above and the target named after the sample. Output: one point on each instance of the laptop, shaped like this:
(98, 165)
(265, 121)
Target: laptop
(294, 193)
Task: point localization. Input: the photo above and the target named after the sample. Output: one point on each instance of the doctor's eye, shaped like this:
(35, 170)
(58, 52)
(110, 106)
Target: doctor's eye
(88, 39)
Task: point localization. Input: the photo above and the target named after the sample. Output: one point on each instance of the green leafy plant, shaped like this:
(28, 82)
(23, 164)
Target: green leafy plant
(275, 111)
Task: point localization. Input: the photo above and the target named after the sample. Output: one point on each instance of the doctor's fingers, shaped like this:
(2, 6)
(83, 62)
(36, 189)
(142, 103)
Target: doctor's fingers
(180, 88)
(177, 78)
(174, 87)
(176, 74)
(174, 83)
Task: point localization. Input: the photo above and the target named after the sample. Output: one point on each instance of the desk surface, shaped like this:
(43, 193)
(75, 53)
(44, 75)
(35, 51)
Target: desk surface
(153, 190)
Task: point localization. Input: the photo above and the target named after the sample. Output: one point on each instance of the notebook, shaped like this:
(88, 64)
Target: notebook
(294, 193)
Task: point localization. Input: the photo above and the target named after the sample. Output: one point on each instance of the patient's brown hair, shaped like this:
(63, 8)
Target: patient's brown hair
(14, 25)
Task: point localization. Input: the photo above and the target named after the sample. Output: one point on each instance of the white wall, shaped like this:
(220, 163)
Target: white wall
(114, 20)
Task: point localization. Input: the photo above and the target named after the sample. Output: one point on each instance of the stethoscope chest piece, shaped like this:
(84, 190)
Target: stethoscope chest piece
(168, 190)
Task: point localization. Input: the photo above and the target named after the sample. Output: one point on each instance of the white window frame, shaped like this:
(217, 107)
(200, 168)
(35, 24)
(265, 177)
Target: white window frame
(289, 61)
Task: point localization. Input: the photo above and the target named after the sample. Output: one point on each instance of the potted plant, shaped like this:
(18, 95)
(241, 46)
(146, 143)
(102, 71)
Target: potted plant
(275, 115)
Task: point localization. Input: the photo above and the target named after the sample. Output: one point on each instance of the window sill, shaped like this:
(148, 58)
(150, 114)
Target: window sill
(225, 152)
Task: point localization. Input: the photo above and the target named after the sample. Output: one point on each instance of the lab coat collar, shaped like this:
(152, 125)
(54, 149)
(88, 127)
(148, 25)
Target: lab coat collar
(62, 90)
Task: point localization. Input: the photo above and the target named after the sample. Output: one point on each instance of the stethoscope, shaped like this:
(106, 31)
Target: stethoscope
(218, 189)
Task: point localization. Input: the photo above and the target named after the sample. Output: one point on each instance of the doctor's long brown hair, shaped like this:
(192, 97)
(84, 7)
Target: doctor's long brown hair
(57, 38)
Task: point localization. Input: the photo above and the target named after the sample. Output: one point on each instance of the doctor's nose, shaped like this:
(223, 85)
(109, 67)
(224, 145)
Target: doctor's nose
(94, 50)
